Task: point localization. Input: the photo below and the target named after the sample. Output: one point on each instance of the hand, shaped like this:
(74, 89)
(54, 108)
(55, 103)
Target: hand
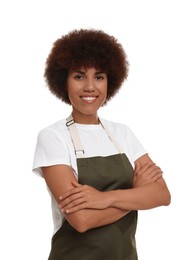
(83, 197)
(148, 173)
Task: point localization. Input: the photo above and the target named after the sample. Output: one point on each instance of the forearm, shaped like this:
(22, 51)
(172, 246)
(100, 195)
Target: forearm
(86, 219)
(119, 203)
(140, 198)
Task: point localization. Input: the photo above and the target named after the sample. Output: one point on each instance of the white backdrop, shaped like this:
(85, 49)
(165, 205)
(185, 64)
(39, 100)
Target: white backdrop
(157, 102)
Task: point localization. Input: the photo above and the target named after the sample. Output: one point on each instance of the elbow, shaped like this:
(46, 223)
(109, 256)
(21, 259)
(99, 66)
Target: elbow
(167, 199)
(78, 222)
(81, 228)
(164, 195)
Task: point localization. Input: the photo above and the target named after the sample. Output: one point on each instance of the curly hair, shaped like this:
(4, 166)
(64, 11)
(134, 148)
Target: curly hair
(86, 48)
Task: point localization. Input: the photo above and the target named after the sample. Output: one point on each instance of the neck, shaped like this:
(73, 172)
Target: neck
(85, 119)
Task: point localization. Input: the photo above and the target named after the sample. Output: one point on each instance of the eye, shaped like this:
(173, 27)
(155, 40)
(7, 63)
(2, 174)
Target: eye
(78, 77)
(100, 77)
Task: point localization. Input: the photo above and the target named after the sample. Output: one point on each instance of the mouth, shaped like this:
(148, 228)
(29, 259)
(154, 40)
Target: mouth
(89, 99)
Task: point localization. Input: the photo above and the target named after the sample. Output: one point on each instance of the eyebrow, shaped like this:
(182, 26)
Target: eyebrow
(83, 72)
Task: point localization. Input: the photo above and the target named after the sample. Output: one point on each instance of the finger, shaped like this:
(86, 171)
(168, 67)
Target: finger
(76, 208)
(67, 194)
(64, 196)
(71, 192)
(154, 170)
(70, 199)
(137, 167)
(145, 167)
(157, 177)
(73, 206)
(76, 184)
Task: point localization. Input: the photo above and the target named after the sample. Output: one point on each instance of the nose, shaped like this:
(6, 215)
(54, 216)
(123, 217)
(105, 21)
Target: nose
(89, 85)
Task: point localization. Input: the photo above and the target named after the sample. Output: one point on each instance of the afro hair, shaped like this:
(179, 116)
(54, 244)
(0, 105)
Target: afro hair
(85, 48)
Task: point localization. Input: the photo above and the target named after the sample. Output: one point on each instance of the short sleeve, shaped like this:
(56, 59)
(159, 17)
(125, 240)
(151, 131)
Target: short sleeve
(50, 150)
(135, 147)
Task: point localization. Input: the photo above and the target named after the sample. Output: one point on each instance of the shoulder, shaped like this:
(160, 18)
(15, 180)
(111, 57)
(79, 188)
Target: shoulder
(55, 130)
(55, 127)
(126, 138)
(116, 127)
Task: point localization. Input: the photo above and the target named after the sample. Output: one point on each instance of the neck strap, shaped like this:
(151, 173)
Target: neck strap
(79, 151)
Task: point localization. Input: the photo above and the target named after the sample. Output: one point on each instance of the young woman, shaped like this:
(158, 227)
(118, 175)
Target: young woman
(97, 172)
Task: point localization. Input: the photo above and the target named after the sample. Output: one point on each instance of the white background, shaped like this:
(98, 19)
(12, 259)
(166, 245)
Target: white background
(157, 102)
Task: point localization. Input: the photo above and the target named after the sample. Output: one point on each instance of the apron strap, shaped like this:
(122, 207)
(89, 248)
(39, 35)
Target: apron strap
(79, 151)
(112, 138)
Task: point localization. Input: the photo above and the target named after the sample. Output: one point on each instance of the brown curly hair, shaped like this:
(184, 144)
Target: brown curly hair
(85, 48)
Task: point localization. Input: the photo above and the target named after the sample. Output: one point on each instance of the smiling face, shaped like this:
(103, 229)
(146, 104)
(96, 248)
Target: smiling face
(87, 91)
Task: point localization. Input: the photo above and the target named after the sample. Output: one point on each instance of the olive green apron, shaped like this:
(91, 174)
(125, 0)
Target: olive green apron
(110, 242)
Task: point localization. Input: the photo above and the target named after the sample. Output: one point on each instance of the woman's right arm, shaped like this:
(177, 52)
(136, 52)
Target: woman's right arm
(59, 179)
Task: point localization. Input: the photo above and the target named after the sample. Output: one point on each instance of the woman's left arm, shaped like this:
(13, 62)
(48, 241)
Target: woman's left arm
(146, 193)
(149, 191)
(144, 197)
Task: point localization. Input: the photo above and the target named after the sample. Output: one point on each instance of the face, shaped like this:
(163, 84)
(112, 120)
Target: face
(87, 91)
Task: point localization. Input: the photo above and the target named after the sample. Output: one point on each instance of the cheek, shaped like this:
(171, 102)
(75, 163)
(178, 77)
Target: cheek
(70, 93)
(71, 89)
(71, 96)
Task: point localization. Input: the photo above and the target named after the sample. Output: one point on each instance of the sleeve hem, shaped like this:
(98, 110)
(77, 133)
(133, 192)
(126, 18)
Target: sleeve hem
(139, 154)
(37, 168)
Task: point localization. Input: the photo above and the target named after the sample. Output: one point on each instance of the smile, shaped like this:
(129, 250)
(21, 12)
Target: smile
(89, 99)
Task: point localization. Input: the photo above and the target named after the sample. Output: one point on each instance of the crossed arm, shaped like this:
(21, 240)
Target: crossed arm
(85, 207)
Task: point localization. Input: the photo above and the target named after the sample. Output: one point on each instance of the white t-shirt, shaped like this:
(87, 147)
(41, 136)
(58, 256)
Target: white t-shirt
(54, 147)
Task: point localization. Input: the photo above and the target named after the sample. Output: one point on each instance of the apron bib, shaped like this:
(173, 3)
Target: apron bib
(115, 241)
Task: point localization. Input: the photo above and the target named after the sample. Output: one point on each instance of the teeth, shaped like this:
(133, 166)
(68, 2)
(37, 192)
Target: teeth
(88, 98)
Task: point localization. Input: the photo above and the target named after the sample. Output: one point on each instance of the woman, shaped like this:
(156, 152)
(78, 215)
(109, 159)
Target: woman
(97, 172)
